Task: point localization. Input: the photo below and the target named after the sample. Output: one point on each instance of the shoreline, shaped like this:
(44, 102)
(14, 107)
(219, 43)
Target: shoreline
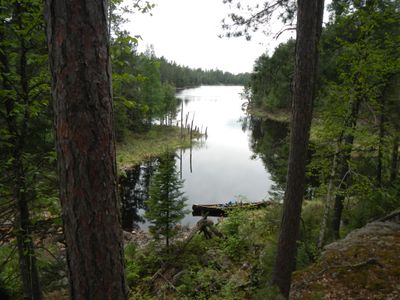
(281, 116)
(139, 147)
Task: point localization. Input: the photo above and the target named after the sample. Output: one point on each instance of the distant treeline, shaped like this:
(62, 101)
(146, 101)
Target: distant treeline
(182, 76)
(144, 85)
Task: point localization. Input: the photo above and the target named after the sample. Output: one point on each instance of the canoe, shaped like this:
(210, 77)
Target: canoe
(222, 210)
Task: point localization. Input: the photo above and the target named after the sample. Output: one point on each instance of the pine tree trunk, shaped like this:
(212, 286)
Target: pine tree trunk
(81, 87)
(309, 23)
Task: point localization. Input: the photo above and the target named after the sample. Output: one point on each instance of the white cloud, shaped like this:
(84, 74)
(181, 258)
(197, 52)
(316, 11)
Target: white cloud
(186, 31)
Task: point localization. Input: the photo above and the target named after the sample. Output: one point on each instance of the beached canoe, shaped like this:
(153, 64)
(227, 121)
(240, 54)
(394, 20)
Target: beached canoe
(222, 210)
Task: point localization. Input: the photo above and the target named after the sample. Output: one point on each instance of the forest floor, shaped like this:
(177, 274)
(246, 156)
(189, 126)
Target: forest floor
(138, 147)
(364, 265)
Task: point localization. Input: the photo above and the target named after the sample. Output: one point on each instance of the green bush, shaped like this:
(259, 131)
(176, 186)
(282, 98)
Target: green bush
(201, 284)
(9, 274)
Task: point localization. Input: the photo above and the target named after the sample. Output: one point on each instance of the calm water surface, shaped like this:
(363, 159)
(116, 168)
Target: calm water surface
(222, 167)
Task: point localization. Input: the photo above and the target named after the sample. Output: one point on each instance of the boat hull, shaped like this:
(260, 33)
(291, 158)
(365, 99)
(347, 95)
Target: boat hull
(223, 210)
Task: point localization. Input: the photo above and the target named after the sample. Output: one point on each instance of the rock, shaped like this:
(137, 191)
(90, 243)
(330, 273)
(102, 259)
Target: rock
(370, 231)
(363, 265)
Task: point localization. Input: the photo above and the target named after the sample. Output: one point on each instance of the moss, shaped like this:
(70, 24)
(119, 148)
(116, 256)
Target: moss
(363, 264)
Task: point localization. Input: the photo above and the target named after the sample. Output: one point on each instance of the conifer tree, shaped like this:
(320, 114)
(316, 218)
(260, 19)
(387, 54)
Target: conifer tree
(166, 201)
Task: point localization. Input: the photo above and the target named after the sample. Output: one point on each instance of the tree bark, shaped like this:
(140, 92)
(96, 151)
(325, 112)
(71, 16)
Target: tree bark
(309, 23)
(27, 258)
(81, 87)
(344, 175)
(395, 158)
(380, 146)
(328, 200)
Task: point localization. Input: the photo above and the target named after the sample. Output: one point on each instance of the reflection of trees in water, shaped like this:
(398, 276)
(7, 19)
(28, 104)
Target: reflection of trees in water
(244, 122)
(134, 189)
(269, 141)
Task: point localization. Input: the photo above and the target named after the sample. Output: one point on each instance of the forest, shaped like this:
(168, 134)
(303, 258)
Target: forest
(83, 114)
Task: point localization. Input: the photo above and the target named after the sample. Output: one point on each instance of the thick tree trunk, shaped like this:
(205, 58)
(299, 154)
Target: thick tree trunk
(344, 175)
(309, 22)
(81, 87)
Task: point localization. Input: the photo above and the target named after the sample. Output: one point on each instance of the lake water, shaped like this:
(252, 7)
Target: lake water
(224, 166)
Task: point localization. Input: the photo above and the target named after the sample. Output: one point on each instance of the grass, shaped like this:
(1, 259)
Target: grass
(277, 115)
(138, 147)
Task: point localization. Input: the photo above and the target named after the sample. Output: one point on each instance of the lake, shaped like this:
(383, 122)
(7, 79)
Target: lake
(225, 166)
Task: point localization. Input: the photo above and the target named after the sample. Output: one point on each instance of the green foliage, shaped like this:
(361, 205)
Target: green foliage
(375, 204)
(269, 141)
(9, 271)
(182, 76)
(27, 149)
(363, 67)
(245, 234)
(201, 284)
(307, 251)
(144, 85)
(165, 207)
(270, 84)
(53, 268)
(208, 268)
(132, 268)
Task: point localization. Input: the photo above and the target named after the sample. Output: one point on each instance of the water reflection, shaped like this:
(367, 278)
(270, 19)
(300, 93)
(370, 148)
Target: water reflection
(134, 190)
(269, 140)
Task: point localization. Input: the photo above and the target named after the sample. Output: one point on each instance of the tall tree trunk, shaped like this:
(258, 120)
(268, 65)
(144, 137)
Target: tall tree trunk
(380, 145)
(27, 259)
(26, 254)
(344, 175)
(309, 23)
(81, 87)
(395, 159)
(328, 199)
(26, 250)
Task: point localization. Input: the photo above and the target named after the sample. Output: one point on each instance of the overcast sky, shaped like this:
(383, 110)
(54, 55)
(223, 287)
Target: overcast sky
(186, 31)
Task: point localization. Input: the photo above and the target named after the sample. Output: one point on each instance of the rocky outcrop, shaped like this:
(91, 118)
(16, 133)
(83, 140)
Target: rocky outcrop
(364, 265)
